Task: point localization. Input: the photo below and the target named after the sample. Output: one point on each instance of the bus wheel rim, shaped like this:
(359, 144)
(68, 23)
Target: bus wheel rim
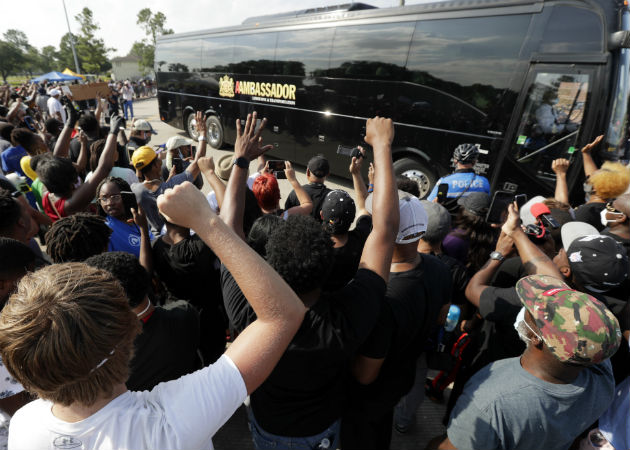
(424, 183)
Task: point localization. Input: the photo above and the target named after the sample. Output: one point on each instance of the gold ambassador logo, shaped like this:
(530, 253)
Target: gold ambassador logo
(226, 86)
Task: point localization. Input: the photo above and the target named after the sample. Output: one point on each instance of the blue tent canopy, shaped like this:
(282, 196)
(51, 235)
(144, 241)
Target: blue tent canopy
(55, 76)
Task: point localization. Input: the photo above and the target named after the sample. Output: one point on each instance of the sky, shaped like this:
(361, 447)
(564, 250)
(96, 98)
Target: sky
(44, 22)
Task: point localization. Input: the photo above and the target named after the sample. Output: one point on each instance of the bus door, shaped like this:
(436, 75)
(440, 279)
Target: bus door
(555, 114)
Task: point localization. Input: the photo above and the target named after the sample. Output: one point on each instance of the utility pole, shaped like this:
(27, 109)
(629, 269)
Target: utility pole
(74, 52)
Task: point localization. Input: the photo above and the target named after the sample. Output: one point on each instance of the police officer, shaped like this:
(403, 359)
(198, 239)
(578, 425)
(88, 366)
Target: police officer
(464, 180)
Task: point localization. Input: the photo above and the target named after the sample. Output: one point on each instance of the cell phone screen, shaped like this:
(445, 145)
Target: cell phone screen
(442, 192)
(498, 208)
(520, 200)
(276, 165)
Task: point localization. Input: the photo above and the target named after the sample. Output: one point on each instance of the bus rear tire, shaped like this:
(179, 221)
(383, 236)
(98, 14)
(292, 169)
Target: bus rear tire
(417, 171)
(191, 126)
(215, 132)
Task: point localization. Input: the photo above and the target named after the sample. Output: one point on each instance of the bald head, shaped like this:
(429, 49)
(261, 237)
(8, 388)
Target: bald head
(622, 204)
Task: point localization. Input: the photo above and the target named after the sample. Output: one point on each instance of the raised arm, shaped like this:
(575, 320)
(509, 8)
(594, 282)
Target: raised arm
(62, 147)
(85, 193)
(146, 255)
(481, 280)
(560, 166)
(206, 165)
(279, 311)
(358, 183)
(306, 203)
(587, 159)
(377, 252)
(193, 168)
(533, 259)
(83, 153)
(248, 145)
(99, 107)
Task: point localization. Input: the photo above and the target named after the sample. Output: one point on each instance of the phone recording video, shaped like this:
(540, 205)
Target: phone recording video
(497, 213)
(442, 192)
(277, 166)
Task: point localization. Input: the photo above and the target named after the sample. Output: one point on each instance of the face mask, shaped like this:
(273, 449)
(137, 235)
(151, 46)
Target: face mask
(606, 221)
(520, 324)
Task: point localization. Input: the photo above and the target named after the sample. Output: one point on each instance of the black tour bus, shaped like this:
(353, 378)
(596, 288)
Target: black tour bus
(527, 81)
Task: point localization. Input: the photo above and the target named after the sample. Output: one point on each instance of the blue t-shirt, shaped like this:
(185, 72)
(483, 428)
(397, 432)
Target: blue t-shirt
(11, 160)
(457, 183)
(125, 237)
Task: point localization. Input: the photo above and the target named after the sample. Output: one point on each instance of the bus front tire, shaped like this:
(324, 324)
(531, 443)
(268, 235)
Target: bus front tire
(417, 171)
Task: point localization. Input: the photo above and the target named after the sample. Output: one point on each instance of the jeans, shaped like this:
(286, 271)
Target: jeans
(327, 439)
(128, 106)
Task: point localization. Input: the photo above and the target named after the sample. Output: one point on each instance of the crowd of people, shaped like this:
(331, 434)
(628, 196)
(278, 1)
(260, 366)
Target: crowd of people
(138, 312)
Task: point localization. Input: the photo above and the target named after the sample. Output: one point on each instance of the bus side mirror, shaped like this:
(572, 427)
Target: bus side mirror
(620, 39)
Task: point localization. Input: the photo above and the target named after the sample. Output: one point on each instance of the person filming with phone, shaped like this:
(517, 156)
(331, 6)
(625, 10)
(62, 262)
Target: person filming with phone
(464, 179)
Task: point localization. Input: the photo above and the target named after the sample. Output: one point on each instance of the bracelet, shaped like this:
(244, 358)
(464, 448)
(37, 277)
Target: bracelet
(201, 138)
(371, 185)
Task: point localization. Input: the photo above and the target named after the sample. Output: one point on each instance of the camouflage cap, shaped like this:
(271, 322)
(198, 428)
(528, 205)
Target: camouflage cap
(576, 327)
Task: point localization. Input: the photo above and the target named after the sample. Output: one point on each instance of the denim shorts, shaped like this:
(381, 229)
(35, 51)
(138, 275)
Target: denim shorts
(327, 439)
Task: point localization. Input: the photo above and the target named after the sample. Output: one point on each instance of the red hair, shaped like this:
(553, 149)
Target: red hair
(266, 191)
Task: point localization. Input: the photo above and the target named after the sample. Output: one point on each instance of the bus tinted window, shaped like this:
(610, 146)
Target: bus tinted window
(217, 54)
(570, 30)
(179, 56)
(375, 51)
(304, 52)
(254, 54)
(470, 58)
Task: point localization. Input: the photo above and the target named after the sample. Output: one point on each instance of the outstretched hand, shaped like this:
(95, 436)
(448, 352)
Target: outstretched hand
(72, 115)
(115, 122)
(588, 147)
(139, 217)
(248, 142)
(185, 205)
(289, 171)
(560, 166)
(201, 124)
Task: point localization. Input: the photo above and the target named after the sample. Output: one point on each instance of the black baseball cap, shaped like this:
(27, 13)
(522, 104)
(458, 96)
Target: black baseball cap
(338, 211)
(319, 166)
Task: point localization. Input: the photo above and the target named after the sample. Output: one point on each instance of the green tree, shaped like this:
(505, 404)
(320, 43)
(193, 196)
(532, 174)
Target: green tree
(17, 38)
(154, 25)
(11, 59)
(64, 57)
(91, 50)
(50, 59)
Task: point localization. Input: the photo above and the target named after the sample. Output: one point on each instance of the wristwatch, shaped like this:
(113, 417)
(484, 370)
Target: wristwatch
(497, 256)
(241, 162)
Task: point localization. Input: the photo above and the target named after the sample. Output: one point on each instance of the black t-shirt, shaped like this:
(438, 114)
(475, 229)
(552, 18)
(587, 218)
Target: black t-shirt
(459, 276)
(412, 303)
(347, 258)
(305, 393)
(499, 340)
(316, 191)
(590, 213)
(510, 271)
(167, 347)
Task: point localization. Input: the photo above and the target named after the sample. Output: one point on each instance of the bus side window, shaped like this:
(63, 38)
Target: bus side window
(304, 53)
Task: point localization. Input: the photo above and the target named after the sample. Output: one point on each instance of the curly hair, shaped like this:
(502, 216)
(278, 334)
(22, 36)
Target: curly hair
(267, 191)
(478, 233)
(261, 229)
(611, 180)
(77, 237)
(408, 185)
(126, 268)
(301, 252)
(67, 333)
(57, 174)
(123, 186)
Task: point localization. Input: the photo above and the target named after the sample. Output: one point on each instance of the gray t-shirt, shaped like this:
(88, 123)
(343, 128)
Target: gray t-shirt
(148, 199)
(504, 406)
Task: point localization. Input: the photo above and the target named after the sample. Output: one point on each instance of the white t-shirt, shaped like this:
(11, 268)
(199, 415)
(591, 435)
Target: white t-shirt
(179, 414)
(127, 93)
(54, 106)
(120, 172)
(9, 387)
